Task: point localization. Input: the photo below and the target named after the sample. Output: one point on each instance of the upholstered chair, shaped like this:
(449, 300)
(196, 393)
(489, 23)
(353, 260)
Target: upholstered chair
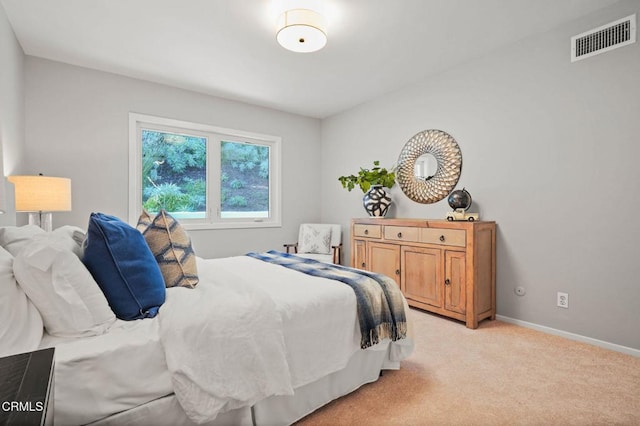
(318, 241)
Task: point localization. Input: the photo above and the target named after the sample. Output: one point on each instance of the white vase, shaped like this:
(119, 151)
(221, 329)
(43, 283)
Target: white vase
(376, 201)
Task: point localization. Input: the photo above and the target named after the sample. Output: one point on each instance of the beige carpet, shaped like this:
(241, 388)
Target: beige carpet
(499, 374)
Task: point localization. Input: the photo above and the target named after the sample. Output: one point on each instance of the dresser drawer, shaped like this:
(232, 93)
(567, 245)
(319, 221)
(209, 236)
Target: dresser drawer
(401, 233)
(449, 237)
(370, 231)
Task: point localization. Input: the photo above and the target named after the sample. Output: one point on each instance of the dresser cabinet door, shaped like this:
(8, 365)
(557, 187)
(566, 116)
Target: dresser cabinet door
(359, 254)
(422, 277)
(455, 296)
(384, 259)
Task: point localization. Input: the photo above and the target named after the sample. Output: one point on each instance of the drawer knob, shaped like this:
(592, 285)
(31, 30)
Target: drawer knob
(447, 281)
(366, 232)
(397, 271)
(442, 238)
(364, 265)
(399, 234)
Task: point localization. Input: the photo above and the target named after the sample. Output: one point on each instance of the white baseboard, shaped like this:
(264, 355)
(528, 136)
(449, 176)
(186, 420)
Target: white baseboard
(571, 336)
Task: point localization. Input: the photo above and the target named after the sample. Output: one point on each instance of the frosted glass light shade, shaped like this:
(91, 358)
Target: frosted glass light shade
(302, 30)
(42, 193)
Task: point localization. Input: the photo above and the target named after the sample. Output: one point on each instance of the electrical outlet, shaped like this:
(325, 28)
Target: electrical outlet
(563, 299)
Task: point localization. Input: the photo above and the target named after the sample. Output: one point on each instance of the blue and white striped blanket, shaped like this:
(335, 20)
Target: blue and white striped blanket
(379, 300)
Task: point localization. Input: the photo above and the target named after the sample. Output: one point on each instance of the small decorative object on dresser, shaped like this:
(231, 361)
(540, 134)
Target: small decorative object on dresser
(444, 267)
(460, 200)
(376, 200)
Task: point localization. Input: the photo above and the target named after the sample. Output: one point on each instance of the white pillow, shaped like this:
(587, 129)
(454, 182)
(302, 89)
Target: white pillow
(15, 238)
(69, 236)
(62, 288)
(314, 238)
(20, 321)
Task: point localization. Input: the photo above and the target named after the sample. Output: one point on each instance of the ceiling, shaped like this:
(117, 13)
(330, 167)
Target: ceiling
(228, 48)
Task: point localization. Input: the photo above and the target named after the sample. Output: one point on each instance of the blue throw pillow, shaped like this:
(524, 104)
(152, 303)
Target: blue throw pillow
(122, 264)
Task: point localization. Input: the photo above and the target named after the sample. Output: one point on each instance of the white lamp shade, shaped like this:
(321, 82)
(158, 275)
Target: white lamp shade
(302, 30)
(42, 193)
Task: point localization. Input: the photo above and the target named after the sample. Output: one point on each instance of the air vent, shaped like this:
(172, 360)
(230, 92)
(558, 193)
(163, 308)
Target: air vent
(604, 38)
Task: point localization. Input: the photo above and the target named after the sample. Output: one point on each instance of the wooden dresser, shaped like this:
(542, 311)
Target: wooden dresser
(441, 266)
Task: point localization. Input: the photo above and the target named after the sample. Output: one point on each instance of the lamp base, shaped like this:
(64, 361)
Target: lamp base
(43, 219)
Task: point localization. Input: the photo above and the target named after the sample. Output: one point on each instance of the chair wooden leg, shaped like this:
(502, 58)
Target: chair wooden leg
(337, 251)
(289, 246)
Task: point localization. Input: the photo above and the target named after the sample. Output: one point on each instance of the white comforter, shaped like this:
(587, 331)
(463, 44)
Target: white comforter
(251, 329)
(224, 345)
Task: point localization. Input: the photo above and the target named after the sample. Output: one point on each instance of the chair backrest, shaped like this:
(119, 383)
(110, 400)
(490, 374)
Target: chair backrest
(336, 231)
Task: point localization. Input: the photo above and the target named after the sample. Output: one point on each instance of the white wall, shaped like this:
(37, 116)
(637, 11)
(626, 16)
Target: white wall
(550, 152)
(77, 127)
(11, 113)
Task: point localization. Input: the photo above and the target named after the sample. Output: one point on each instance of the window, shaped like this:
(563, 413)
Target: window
(206, 176)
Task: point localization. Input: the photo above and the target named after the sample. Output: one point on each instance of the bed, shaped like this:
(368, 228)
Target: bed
(254, 343)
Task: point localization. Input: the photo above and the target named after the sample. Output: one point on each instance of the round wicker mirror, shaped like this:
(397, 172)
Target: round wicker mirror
(436, 186)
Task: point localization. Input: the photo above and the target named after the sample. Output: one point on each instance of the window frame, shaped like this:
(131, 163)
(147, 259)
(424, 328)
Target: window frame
(215, 135)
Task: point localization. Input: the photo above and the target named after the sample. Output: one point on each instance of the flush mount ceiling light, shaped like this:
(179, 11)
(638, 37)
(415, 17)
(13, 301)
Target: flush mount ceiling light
(302, 30)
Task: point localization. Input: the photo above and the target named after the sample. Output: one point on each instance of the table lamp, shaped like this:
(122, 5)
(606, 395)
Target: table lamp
(41, 195)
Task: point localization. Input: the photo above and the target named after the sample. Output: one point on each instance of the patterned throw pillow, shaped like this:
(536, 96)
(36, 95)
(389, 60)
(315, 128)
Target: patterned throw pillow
(314, 239)
(171, 246)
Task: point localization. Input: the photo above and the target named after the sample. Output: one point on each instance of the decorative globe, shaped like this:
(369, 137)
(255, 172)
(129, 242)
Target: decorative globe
(459, 199)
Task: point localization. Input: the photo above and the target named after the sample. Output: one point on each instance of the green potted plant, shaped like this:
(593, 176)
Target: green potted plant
(372, 182)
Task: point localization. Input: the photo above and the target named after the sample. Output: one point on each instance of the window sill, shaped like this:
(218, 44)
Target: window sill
(229, 225)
